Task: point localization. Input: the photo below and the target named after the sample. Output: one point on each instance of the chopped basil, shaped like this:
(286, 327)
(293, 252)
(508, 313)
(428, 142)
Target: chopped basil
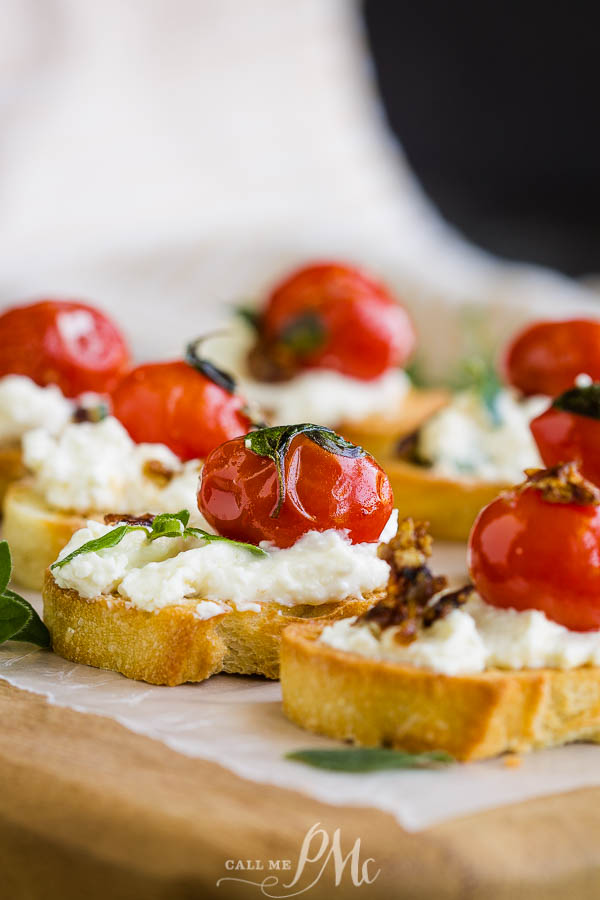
(370, 759)
(275, 442)
(583, 401)
(18, 619)
(165, 525)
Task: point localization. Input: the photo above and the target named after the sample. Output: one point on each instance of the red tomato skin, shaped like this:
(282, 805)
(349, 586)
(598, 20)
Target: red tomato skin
(565, 436)
(172, 403)
(527, 553)
(238, 494)
(547, 357)
(367, 330)
(33, 343)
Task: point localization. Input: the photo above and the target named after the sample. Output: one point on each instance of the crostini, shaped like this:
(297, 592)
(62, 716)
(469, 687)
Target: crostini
(510, 663)
(298, 513)
(329, 346)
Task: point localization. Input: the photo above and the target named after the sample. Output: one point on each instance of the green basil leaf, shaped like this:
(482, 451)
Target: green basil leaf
(13, 617)
(582, 401)
(209, 370)
(212, 538)
(304, 333)
(169, 525)
(108, 540)
(479, 373)
(370, 759)
(5, 566)
(274, 443)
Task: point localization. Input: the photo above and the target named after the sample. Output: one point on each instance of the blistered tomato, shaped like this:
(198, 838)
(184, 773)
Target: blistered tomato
(334, 316)
(62, 342)
(538, 547)
(547, 357)
(173, 403)
(279, 483)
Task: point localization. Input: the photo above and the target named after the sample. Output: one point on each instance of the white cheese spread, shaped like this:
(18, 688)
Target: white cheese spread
(467, 439)
(319, 568)
(97, 467)
(322, 396)
(24, 405)
(475, 637)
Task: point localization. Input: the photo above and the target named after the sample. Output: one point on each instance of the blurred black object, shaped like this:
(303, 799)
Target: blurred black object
(496, 106)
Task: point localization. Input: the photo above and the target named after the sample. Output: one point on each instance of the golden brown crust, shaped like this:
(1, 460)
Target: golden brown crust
(376, 703)
(11, 467)
(173, 646)
(36, 533)
(379, 433)
(450, 505)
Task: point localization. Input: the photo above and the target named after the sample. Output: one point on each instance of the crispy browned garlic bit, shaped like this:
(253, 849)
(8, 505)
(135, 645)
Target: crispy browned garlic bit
(563, 483)
(157, 472)
(408, 603)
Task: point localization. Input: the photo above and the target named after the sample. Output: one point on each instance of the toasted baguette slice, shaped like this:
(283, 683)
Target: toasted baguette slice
(379, 433)
(376, 703)
(449, 505)
(11, 467)
(173, 646)
(36, 533)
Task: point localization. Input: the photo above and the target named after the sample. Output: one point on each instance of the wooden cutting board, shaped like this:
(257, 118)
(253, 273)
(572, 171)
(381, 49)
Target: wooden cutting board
(91, 810)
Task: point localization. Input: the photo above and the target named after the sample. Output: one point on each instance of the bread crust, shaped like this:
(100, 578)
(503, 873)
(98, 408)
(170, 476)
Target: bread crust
(374, 703)
(36, 533)
(379, 433)
(173, 645)
(11, 467)
(450, 505)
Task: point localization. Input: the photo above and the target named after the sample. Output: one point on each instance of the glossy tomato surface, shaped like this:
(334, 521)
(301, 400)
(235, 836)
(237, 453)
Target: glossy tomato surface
(563, 436)
(239, 494)
(528, 553)
(172, 403)
(547, 357)
(360, 329)
(63, 342)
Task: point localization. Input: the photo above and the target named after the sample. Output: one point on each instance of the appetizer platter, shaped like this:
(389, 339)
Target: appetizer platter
(184, 529)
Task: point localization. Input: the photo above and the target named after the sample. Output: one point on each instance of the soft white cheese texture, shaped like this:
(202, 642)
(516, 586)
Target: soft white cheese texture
(473, 638)
(464, 440)
(97, 467)
(320, 567)
(24, 405)
(322, 396)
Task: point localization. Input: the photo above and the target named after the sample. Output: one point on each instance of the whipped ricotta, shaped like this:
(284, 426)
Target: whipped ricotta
(97, 467)
(475, 637)
(466, 439)
(319, 568)
(322, 396)
(25, 405)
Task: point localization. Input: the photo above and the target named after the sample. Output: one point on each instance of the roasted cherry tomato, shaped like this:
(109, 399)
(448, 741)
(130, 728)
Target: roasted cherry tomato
(547, 357)
(570, 430)
(334, 316)
(174, 404)
(538, 547)
(296, 479)
(62, 342)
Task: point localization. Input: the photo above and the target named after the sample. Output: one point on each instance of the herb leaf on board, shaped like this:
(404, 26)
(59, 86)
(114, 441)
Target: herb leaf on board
(370, 759)
(18, 619)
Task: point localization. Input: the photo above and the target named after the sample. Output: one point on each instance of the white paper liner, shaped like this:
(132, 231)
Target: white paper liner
(238, 723)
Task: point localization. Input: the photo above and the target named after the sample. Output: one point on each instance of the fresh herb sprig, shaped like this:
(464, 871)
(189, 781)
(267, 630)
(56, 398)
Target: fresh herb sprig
(582, 401)
(18, 619)
(275, 442)
(369, 759)
(164, 525)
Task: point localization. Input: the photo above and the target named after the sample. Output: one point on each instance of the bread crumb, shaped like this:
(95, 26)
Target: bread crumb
(512, 761)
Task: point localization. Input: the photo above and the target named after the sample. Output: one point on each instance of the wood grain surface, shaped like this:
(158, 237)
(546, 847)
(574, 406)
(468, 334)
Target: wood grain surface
(91, 810)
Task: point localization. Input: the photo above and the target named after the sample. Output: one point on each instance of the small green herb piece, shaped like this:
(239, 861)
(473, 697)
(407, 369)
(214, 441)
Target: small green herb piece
(479, 373)
(370, 759)
(164, 525)
(304, 333)
(250, 315)
(209, 370)
(583, 401)
(18, 619)
(275, 442)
